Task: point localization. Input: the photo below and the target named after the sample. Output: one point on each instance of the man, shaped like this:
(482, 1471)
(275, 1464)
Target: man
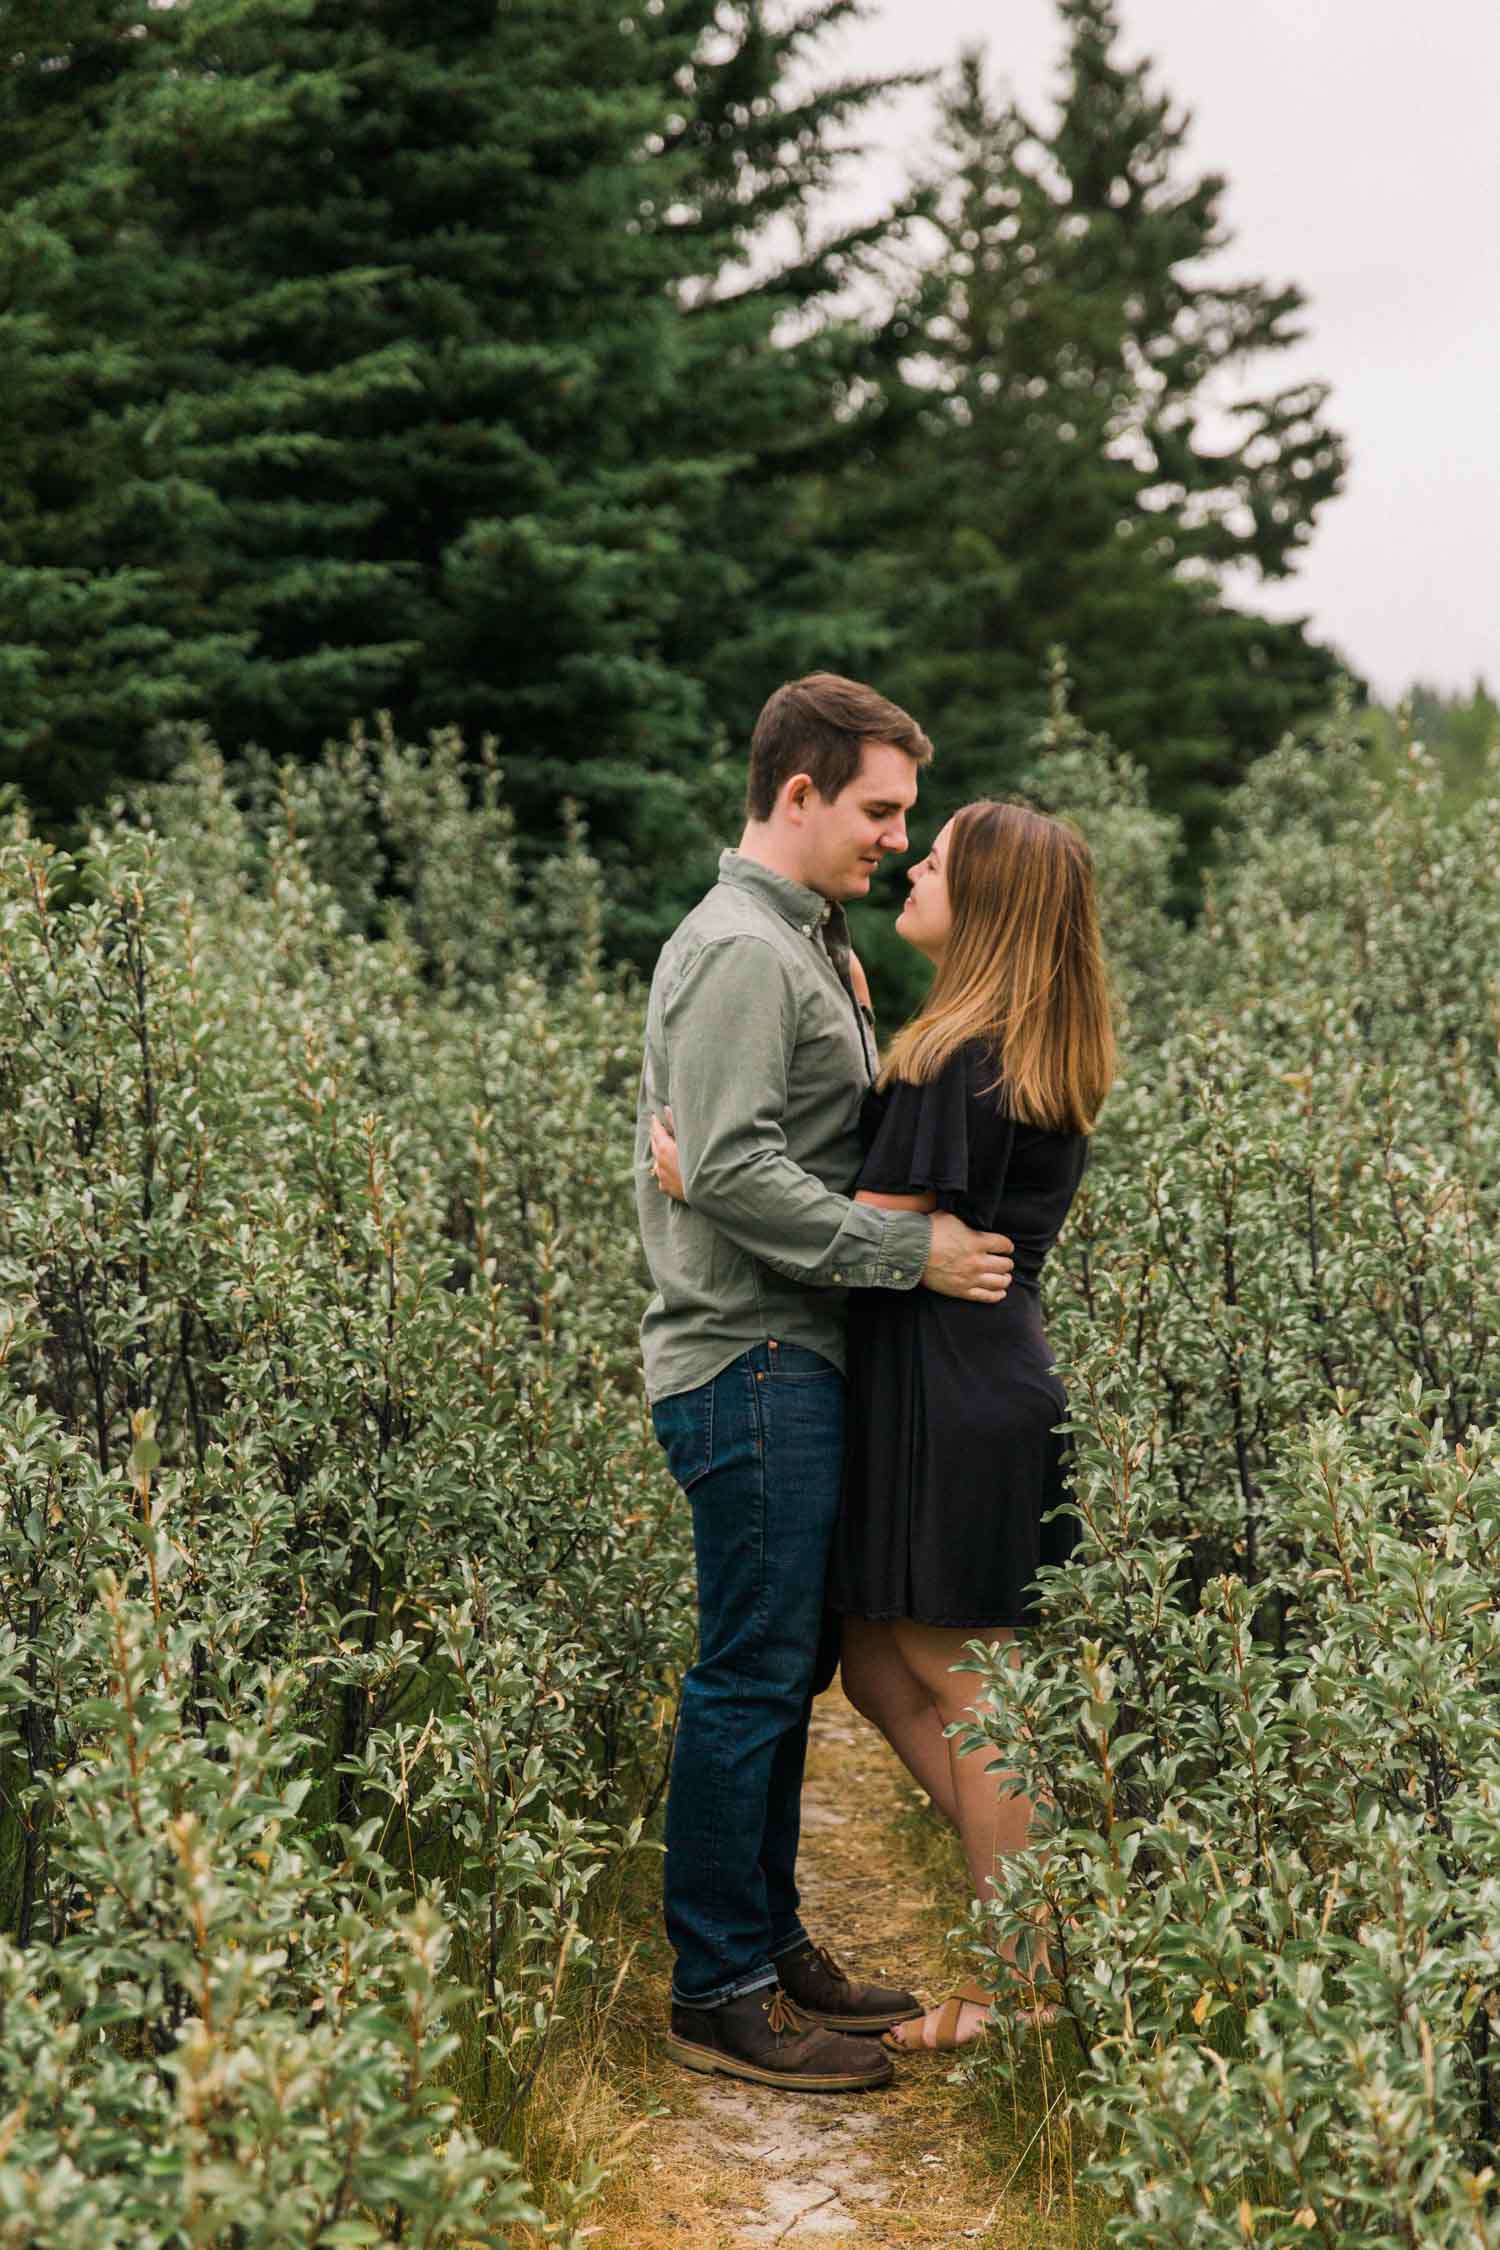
(756, 1041)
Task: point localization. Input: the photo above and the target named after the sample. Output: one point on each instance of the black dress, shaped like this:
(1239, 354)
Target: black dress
(952, 1459)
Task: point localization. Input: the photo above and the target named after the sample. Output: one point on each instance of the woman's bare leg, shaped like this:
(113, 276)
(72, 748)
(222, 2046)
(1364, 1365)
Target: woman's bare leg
(884, 1690)
(993, 1815)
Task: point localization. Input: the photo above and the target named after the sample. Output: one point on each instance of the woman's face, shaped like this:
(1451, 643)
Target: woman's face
(926, 918)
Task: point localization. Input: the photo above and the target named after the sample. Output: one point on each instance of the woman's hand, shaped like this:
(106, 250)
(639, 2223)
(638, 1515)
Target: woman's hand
(665, 1166)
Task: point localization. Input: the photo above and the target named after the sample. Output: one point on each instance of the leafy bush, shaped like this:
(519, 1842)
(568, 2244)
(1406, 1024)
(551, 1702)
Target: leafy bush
(342, 1590)
(1260, 1715)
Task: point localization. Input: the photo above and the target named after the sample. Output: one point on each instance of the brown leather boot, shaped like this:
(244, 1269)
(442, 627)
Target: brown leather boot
(823, 1989)
(763, 2037)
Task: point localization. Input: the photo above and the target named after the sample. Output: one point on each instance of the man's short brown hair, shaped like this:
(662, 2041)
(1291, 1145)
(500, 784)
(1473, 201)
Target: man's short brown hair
(819, 726)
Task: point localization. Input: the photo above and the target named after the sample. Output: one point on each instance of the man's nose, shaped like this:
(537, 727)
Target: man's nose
(894, 839)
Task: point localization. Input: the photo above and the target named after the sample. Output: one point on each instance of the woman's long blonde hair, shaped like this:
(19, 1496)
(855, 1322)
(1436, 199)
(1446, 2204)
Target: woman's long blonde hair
(1023, 970)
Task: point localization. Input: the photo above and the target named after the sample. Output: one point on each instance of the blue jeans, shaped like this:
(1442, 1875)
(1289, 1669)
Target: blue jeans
(759, 1452)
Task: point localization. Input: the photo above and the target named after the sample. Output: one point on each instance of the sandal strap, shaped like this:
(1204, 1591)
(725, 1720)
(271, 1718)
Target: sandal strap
(945, 2039)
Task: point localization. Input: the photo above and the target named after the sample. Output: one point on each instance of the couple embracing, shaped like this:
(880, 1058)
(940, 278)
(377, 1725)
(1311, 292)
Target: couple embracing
(844, 1355)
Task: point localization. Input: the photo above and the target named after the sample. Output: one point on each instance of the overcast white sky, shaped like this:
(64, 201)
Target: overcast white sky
(1361, 140)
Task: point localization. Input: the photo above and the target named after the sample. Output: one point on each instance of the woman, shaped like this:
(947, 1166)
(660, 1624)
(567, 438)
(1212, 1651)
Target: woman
(983, 1107)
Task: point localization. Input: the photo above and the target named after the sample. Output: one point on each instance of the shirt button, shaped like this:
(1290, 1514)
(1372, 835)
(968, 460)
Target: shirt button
(838, 1277)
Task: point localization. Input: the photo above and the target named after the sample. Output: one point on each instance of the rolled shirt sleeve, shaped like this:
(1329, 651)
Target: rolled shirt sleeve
(731, 1031)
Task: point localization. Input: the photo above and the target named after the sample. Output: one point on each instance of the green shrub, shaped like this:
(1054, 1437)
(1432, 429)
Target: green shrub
(319, 1357)
(342, 1592)
(1261, 1713)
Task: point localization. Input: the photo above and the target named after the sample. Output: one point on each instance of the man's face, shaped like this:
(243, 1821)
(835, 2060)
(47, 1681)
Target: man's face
(844, 842)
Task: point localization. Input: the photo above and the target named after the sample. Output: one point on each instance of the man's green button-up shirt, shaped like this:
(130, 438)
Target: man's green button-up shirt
(756, 1043)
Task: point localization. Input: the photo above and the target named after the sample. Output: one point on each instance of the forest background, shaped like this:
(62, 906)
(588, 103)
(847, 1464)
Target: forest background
(487, 366)
(498, 368)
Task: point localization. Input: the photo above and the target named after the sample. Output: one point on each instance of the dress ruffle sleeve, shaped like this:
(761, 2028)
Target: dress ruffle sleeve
(925, 1136)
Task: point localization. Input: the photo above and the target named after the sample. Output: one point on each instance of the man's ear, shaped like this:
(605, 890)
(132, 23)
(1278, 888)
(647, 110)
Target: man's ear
(795, 793)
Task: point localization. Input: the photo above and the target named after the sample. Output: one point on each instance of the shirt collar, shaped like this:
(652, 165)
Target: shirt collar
(806, 910)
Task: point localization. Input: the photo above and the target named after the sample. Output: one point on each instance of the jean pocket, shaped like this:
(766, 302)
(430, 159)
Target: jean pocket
(684, 1425)
(794, 1363)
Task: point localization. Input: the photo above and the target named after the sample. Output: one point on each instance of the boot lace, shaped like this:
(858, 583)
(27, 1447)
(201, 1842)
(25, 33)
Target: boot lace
(784, 2016)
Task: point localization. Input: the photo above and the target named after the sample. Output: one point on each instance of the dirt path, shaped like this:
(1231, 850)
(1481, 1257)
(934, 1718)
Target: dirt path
(721, 2166)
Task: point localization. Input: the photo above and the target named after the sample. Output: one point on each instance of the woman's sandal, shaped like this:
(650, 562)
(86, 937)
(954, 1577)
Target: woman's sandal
(1033, 2002)
(946, 2041)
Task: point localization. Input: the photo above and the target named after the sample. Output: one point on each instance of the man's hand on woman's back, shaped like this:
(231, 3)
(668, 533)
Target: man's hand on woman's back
(962, 1263)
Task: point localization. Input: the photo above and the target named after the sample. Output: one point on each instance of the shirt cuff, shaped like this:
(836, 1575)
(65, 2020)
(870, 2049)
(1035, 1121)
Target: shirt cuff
(905, 1249)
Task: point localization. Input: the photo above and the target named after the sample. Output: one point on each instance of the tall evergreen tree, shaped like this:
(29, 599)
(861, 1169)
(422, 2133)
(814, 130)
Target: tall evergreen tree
(87, 656)
(457, 394)
(413, 322)
(1076, 478)
(787, 388)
